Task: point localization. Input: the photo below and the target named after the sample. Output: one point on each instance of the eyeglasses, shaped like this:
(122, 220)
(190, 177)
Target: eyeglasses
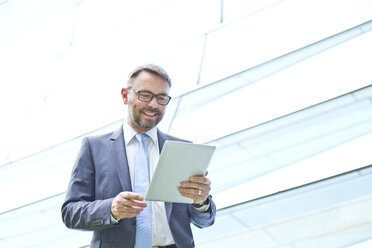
(147, 96)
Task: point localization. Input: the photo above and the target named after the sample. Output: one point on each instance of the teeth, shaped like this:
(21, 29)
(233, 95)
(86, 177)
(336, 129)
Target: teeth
(148, 113)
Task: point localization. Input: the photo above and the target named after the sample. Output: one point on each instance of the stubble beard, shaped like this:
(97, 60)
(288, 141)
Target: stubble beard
(143, 124)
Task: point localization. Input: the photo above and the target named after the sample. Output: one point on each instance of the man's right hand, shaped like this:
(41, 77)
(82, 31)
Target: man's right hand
(127, 205)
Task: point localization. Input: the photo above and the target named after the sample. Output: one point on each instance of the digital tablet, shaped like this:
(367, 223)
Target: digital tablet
(177, 162)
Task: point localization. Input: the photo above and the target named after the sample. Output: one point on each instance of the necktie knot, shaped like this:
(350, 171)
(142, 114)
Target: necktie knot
(140, 137)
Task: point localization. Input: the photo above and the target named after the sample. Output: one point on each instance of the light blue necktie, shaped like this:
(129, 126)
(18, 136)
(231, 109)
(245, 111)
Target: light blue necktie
(141, 183)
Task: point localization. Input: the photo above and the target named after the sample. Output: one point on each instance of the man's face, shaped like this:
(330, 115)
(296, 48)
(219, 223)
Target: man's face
(143, 116)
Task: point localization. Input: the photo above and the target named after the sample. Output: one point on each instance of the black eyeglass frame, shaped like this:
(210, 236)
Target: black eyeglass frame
(152, 96)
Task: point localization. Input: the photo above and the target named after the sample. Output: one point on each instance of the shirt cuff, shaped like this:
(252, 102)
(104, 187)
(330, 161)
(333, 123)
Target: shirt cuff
(202, 208)
(113, 220)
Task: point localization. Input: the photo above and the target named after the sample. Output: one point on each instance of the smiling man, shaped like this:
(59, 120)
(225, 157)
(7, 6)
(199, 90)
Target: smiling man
(112, 173)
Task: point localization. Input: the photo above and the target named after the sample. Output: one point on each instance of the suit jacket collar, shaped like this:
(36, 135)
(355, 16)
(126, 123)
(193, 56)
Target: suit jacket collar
(162, 137)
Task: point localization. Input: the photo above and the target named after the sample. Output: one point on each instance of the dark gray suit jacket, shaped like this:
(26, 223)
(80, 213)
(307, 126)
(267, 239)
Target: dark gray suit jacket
(100, 173)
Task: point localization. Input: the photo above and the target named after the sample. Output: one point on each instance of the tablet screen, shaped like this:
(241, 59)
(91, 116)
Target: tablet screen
(177, 162)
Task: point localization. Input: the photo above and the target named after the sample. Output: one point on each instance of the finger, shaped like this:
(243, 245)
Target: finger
(131, 203)
(195, 185)
(131, 195)
(132, 199)
(191, 194)
(141, 204)
(133, 209)
(195, 193)
(128, 212)
(121, 204)
(199, 179)
(121, 210)
(123, 215)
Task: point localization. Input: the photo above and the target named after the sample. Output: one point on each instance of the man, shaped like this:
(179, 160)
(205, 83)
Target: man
(106, 190)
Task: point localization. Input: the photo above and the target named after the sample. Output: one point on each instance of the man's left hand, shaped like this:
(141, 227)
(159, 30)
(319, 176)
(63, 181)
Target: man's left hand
(197, 188)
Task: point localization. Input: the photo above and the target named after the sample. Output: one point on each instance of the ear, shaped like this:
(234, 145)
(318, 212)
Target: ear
(124, 95)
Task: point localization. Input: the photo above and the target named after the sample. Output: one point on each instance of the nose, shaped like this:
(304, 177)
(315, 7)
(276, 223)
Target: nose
(153, 103)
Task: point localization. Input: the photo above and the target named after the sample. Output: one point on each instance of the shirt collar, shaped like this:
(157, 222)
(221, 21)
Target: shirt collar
(129, 133)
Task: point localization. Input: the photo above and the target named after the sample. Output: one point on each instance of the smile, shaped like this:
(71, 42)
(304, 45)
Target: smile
(150, 113)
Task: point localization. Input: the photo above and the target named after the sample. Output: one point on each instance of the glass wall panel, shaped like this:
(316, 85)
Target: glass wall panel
(267, 35)
(151, 31)
(16, 17)
(235, 9)
(41, 175)
(325, 164)
(183, 64)
(257, 151)
(28, 69)
(292, 218)
(315, 80)
(41, 226)
(210, 92)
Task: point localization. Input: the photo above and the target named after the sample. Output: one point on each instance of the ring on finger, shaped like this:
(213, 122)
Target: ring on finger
(199, 192)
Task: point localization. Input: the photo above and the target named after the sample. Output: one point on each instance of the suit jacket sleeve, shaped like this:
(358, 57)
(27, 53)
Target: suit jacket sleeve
(203, 219)
(82, 209)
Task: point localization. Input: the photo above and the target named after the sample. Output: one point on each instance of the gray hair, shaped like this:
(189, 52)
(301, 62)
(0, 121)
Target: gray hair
(151, 68)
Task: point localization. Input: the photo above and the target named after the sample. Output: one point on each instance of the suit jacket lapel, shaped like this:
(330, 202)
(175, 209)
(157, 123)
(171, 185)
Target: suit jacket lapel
(119, 155)
(161, 139)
